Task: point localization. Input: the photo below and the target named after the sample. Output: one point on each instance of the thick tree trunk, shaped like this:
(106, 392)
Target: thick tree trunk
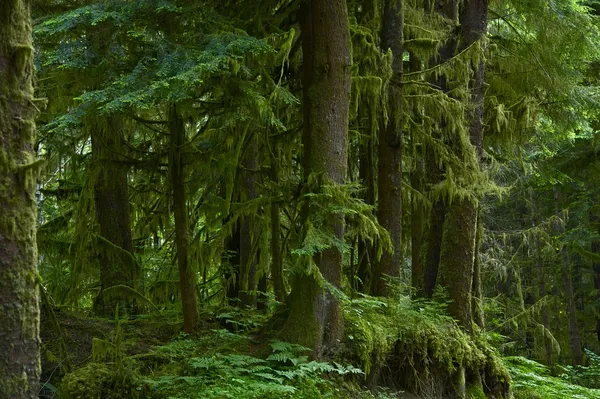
(432, 237)
(248, 231)
(19, 295)
(111, 198)
(457, 261)
(187, 277)
(389, 182)
(315, 318)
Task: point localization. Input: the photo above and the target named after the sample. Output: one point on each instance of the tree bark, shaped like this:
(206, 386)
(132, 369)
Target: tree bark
(314, 317)
(389, 182)
(417, 214)
(366, 174)
(19, 281)
(276, 256)
(187, 277)
(432, 237)
(231, 266)
(567, 279)
(457, 261)
(248, 232)
(115, 246)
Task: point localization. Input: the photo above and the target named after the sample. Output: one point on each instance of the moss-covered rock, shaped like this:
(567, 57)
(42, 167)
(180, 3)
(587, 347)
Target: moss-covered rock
(99, 381)
(411, 345)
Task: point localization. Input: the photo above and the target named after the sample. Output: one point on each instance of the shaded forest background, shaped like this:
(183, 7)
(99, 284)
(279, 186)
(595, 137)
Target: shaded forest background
(320, 198)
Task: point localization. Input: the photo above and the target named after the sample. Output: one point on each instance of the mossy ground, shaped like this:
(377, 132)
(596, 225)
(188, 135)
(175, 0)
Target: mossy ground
(397, 343)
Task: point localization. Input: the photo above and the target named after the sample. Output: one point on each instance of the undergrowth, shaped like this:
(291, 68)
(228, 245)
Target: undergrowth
(286, 373)
(532, 380)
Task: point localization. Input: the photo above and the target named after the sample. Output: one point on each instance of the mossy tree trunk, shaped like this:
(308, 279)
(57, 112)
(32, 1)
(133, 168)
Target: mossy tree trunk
(566, 274)
(432, 236)
(231, 266)
(276, 250)
(187, 276)
(596, 249)
(457, 261)
(389, 182)
(19, 296)
(115, 246)
(365, 250)
(248, 231)
(417, 212)
(540, 275)
(314, 316)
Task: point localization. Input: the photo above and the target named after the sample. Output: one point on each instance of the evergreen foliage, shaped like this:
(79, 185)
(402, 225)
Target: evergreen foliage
(228, 151)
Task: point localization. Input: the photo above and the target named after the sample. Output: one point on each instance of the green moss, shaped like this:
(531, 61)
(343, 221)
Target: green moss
(417, 336)
(99, 381)
(475, 392)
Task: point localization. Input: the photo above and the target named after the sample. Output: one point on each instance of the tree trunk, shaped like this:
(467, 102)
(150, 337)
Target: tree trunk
(432, 238)
(477, 290)
(365, 249)
(315, 318)
(231, 266)
(457, 261)
(417, 214)
(19, 295)
(540, 274)
(187, 277)
(276, 256)
(115, 246)
(389, 183)
(567, 279)
(248, 231)
(595, 222)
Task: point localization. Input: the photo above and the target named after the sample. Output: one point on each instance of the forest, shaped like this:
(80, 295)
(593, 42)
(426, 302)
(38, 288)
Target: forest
(300, 199)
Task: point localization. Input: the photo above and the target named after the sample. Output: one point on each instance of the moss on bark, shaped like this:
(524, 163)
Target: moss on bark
(314, 316)
(19, 297)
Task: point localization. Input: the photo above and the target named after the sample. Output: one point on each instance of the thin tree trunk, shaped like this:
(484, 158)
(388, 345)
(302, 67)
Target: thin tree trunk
(231, 266)
(417, 213)
(389, 182)
(567, 278)
(115, 247)
(248, 232)
(315, 318)
(367, 179)
(477, 290)
(595, 222)
(19, 295)
(187, 277)
(541, 282)
(276, 256)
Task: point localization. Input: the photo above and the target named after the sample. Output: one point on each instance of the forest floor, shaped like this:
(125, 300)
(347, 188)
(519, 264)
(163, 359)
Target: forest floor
(150, 357)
